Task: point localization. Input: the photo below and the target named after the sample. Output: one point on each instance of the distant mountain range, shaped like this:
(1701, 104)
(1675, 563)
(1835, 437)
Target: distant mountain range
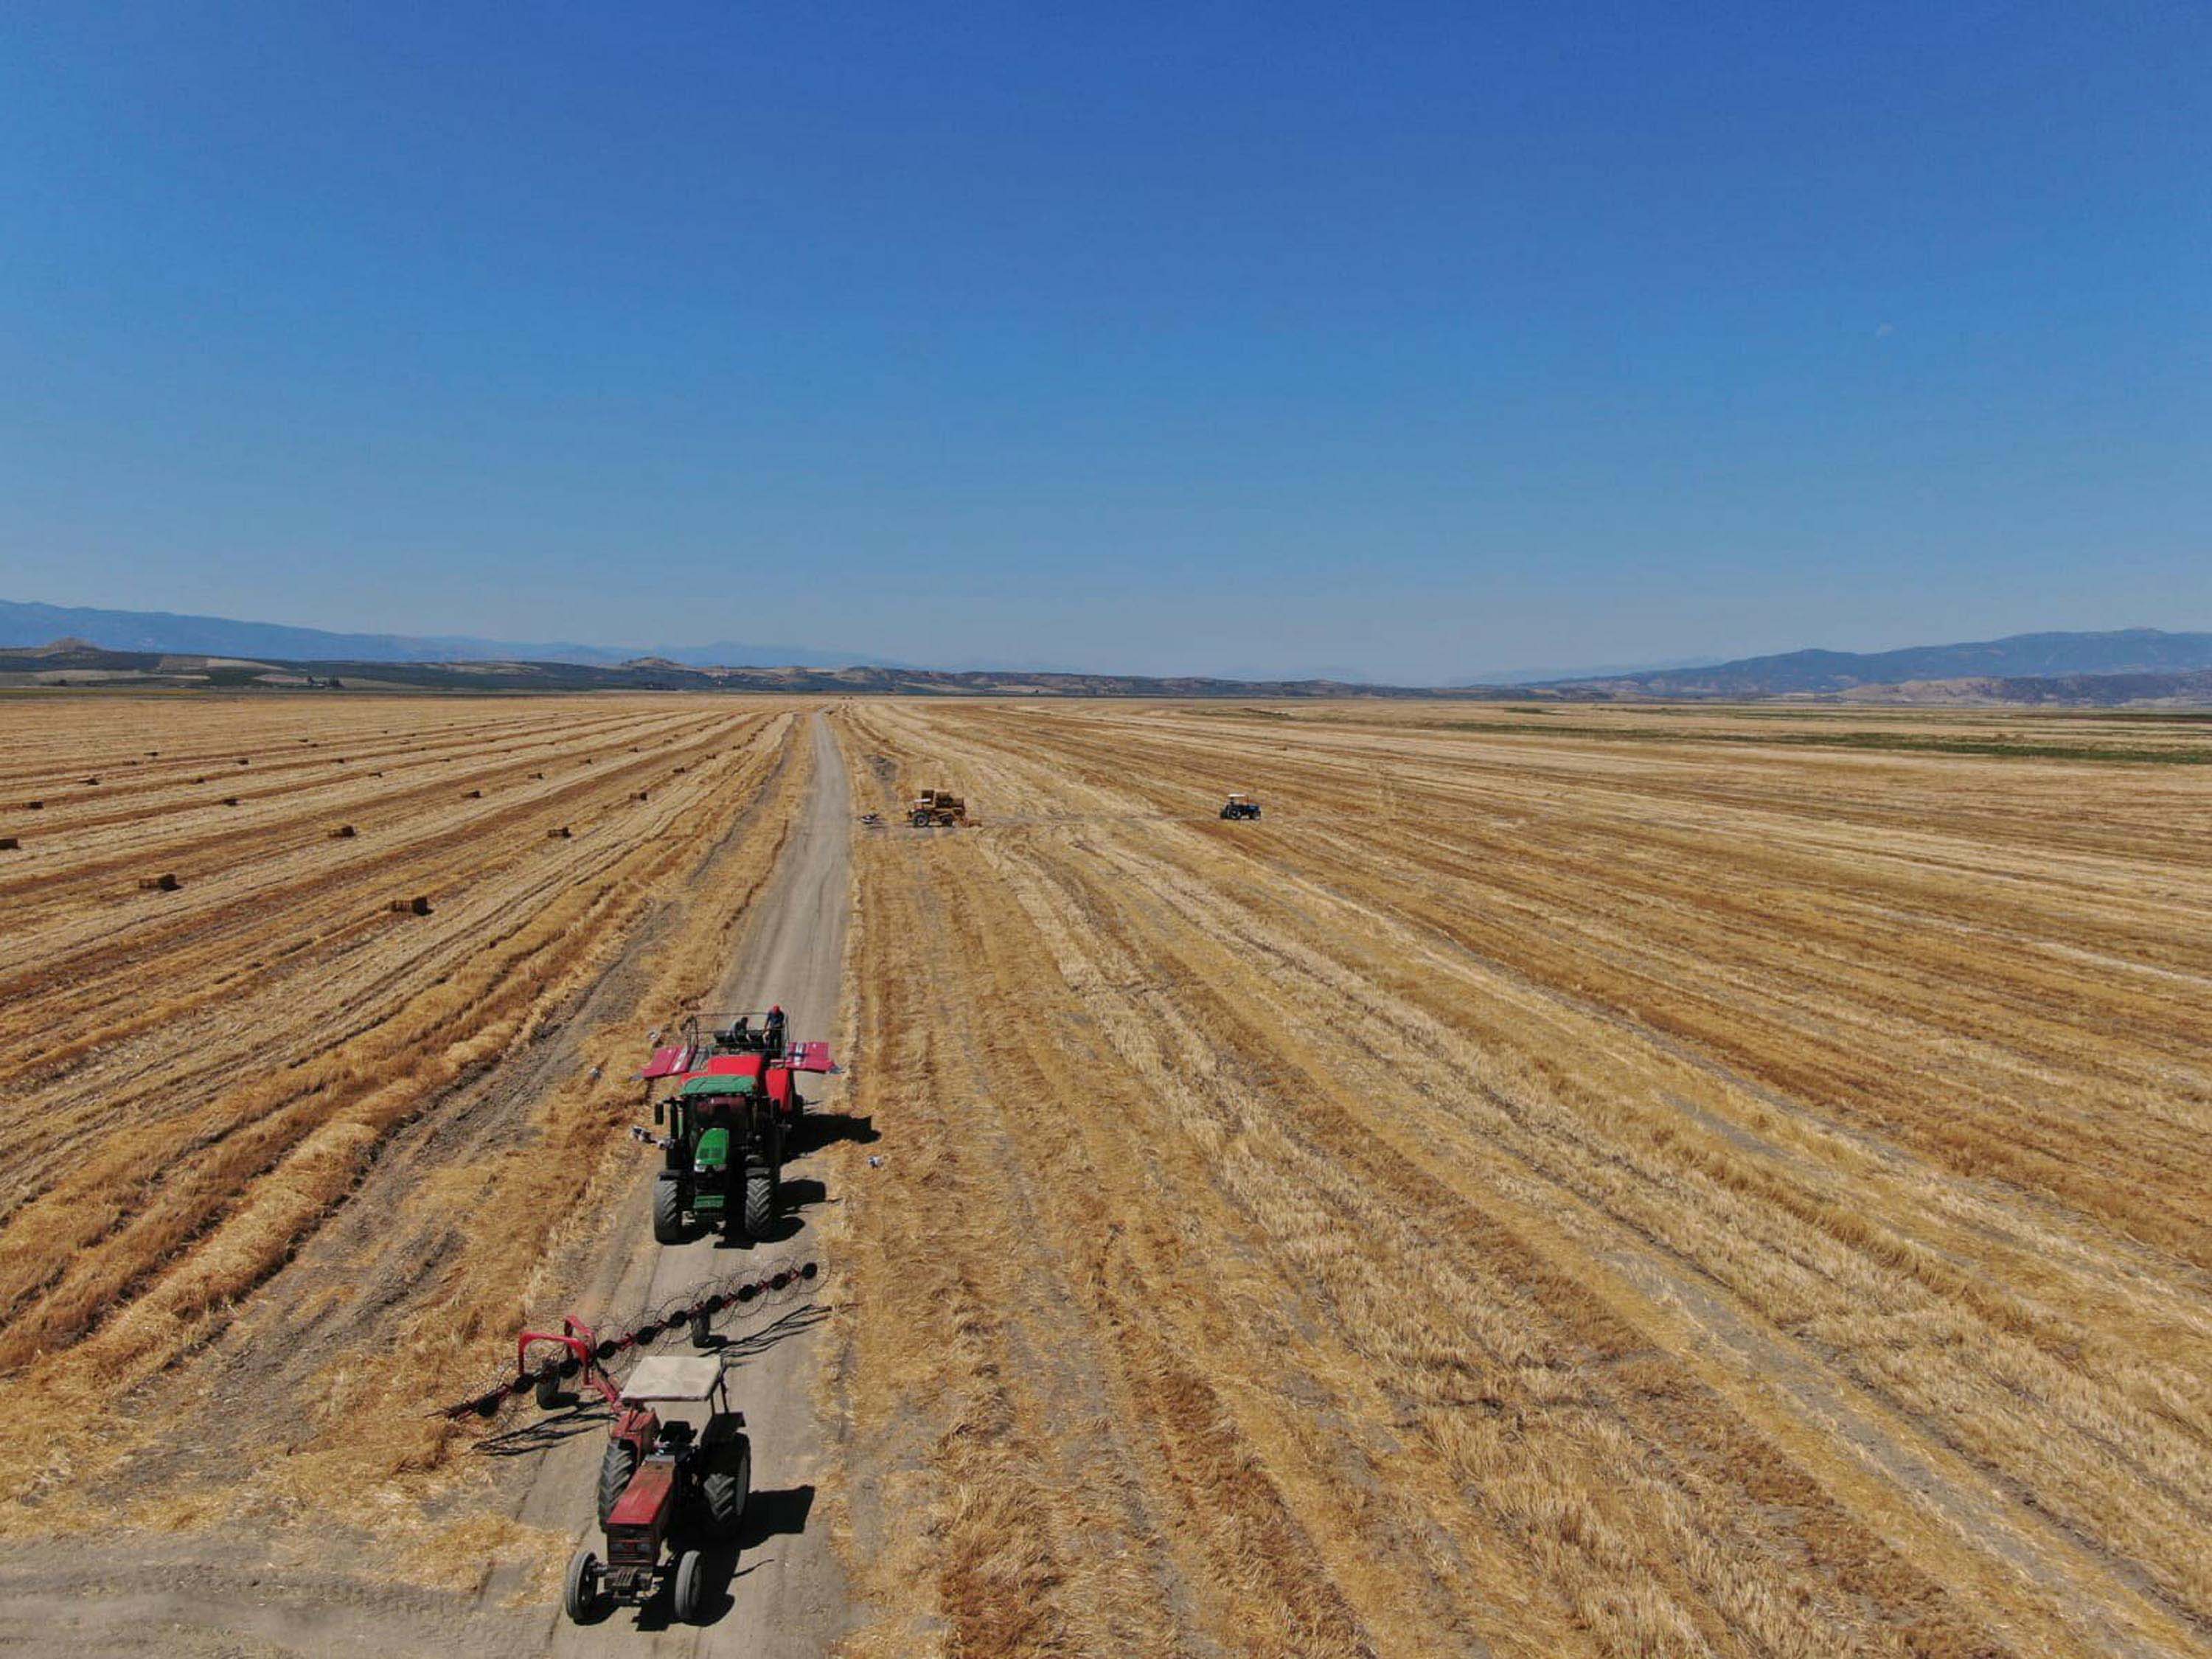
(1556, 676)
(2132, 664)
(160, 631)
(2047, 657)
(82, 665)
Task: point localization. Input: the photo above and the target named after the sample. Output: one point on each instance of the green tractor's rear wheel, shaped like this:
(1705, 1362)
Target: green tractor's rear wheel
(617, 1464)
(668, 1210)
(760, 1203)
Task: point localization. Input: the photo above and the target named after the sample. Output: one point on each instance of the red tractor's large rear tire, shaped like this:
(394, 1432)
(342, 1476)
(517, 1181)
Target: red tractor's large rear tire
(689, 1599)
(617, 1464)
(667, 1210)
(726, 1484)
(760, 1204)
(579, 1594)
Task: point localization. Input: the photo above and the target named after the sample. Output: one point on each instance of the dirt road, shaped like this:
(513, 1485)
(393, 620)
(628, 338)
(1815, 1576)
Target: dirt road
(780, 1593)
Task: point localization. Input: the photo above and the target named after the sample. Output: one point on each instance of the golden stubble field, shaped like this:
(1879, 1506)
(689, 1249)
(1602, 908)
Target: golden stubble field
(1579, 1183)
(281, 1167)
(1593, 1181)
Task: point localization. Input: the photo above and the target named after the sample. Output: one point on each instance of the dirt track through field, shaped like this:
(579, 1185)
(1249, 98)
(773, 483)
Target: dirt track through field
(391, 1297)
(787, 1598)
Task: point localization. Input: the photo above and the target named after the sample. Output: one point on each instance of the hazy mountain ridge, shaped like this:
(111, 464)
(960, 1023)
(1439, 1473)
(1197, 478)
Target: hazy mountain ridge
(2132, 664)
(76, 662)
(25, 624)
(2019, 657)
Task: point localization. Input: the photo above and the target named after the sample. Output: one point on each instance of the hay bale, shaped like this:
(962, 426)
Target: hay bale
(95, 781)
(161, 883)
(230, 800)
(8, 843)
(34, 806)
(244, 761)
(344, 832)
(473, 794)
(641, 795)
(562, 834)
(417, 906)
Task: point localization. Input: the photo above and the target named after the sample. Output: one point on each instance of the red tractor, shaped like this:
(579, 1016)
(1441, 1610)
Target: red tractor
(732, 1111)
(675, 1475)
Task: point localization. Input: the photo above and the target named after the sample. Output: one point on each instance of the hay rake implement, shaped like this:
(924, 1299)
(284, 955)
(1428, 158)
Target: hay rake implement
(583, 1353)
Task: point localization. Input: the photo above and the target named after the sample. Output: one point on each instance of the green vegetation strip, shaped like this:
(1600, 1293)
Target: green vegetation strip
(2001, 748)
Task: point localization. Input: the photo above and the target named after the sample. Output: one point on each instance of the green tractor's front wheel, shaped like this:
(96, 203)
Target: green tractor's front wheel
(668, 1210)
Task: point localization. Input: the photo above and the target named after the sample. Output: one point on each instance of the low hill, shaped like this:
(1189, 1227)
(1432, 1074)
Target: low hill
(2192, 689)
(2021, 656)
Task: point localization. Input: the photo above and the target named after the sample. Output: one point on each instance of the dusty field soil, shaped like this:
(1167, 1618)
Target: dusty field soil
(285, 1167)
(1564, 1183)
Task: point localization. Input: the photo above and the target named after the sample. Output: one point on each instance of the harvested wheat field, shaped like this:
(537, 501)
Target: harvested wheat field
(287, 1155)
(1569, 1182)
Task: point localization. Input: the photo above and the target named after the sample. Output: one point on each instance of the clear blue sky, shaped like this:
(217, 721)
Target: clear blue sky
(1416, 340)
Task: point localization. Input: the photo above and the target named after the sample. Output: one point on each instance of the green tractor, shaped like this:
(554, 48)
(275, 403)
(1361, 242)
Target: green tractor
(733, 1109)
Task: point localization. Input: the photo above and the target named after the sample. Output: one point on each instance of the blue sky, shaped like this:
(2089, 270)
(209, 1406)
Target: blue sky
(1414, 340)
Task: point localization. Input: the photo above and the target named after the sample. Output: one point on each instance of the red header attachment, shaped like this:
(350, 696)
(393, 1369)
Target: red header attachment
(668, 1062)
(809, 1057)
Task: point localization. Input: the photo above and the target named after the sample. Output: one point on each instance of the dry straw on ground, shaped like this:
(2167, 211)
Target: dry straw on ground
(288, 1163)
(1573, 1182)
(1564, 1182)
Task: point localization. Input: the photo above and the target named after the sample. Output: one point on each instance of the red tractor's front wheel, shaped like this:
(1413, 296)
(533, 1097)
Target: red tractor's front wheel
(579, 1596)
(690, 1595)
